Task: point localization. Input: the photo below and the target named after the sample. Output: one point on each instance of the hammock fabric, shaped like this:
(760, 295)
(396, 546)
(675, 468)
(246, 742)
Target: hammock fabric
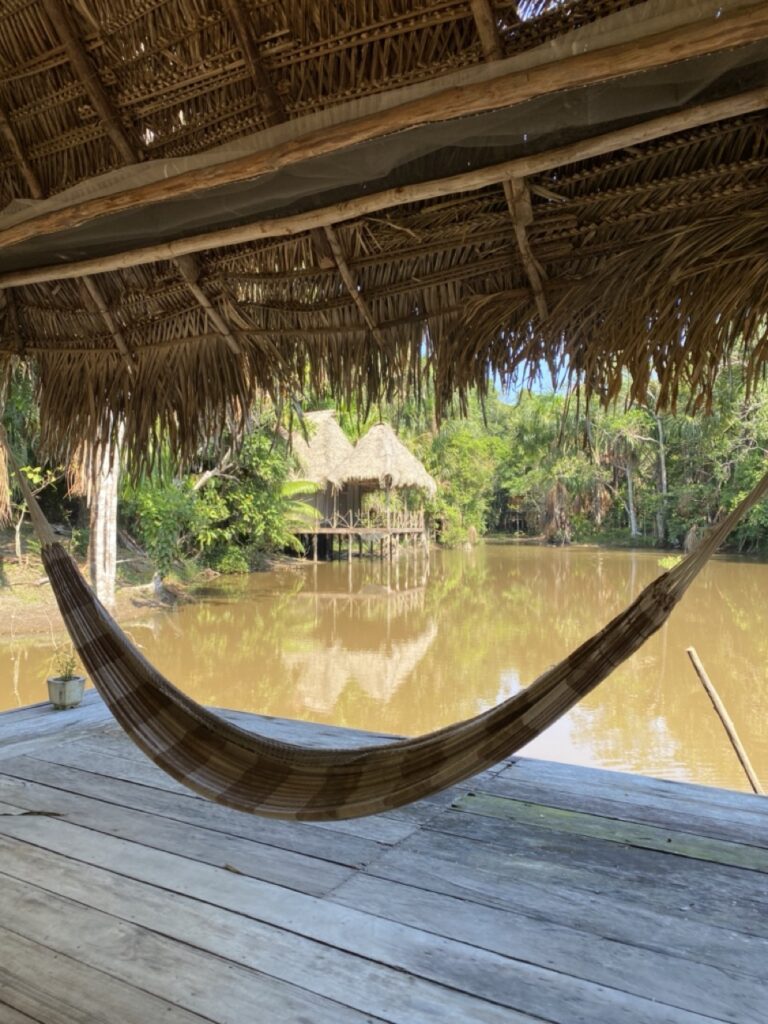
(263, 776)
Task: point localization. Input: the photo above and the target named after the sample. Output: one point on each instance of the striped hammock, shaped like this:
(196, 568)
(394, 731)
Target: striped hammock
(252, 773)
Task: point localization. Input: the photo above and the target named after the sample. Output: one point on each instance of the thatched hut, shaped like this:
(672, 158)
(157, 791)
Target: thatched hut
(325, 446)
(381, 462)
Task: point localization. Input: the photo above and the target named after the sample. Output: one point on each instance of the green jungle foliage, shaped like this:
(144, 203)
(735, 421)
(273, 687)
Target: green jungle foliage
(544, 465)
(228, 515)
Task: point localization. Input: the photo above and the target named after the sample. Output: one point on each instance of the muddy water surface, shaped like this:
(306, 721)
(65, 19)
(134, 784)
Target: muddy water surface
(340, 644)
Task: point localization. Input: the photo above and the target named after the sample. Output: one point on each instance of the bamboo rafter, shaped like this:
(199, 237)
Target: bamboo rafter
(516, 190)
(326, 242)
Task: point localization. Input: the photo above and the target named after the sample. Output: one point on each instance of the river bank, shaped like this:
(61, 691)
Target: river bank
(28, 610)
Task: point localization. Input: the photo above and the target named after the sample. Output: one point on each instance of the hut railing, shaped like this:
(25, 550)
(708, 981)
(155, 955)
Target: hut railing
(376, 519)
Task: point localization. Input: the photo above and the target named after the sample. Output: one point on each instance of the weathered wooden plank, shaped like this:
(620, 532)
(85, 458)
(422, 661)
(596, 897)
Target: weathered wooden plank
(493, 867)
(342, 975)
(626, 804)
(188, 809)
(43, 710)
(727, 994)
(55, 989)
(499, 984)
(284, 867)
(333, 926)
(27, 729)
(681, 844)
(8, 1015)
(219, 990)
(606, 781)
(10, 809)
(595, 917)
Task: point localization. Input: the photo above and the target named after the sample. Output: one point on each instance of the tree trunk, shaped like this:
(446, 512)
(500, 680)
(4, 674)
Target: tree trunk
(631, 510)
(17, 535)
(102, 547)
(661, 512)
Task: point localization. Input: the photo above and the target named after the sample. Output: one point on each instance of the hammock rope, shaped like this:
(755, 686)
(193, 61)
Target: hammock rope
(260, 775)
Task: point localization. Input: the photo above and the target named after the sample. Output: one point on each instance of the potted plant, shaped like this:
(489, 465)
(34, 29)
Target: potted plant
(65, 687)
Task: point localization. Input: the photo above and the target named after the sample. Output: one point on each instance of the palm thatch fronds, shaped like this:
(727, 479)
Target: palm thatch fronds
(381, 460)
(325, 447)
(646, 257)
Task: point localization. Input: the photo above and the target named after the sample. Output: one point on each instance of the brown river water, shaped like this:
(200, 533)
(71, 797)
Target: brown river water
(340, 643)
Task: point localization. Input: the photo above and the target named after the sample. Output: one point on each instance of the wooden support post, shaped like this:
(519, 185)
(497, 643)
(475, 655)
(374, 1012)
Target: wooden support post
(314, 547)
(102, 544)
(725, 718)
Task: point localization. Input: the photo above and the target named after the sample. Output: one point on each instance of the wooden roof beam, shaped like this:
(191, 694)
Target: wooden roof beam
(190, 271)
(36, 191)
(516, 190)
(389, 199)
(518, 197)
(99, 303)
(485, 23)
(272, 101)
(275, 108)
(351, 284)
(325, 241)
(64, 28)
(84, 70)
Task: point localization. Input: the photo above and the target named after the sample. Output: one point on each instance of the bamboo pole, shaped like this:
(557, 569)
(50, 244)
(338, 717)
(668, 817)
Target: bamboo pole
(710, 35)
(725, 718)
(516, 190)
(350, 209)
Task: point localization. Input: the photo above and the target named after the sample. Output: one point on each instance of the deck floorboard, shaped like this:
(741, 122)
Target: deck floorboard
(537, 892)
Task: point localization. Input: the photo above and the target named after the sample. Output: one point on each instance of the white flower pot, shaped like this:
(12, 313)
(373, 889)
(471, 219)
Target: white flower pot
(65, 693)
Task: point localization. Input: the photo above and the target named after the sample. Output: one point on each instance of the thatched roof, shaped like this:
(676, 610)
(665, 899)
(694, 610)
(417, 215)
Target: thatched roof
(208, 197)
(381, 460)
(327, 445)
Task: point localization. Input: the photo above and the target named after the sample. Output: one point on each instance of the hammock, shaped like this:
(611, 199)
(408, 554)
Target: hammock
(263, 776)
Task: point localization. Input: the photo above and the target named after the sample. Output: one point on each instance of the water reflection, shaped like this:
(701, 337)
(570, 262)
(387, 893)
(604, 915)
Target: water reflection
(394, 650)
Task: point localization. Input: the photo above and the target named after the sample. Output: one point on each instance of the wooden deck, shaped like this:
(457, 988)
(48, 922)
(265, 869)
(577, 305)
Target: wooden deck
(540, 892)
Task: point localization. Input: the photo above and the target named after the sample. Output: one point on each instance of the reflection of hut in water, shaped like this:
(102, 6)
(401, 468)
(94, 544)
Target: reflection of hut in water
(372, 640)
(320, 675)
